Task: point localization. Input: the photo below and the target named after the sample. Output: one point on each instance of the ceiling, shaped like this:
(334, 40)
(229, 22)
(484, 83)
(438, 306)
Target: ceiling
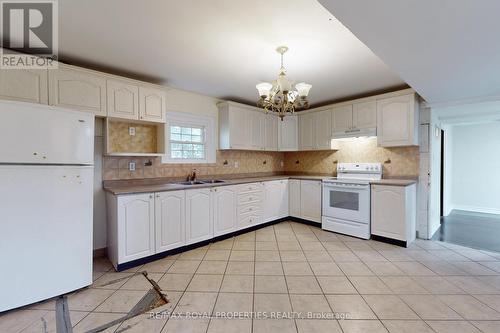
(447, 50)
(221, 48)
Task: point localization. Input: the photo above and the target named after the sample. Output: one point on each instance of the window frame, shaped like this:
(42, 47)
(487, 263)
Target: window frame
(190, 120)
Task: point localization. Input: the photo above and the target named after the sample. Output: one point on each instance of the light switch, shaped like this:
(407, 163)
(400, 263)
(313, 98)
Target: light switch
(131, 166)
(131, 131)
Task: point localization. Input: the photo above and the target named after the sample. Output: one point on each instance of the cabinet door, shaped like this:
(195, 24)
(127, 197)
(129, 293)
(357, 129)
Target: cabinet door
(364, 115)
(342, 118)
(123, 100)
(256, 123)
(136, 227)
(224, 210)
(199, 215)
(239, 134)
(288, 134)
(272, 200)
(388, 211)
(271, 132)
(25, 85)
(283, 204)
(310, 200)
(294, 198)
(323, 130)
(152, 105)
(77, 89)
(170, 220)
(395, 121)
(307, 131)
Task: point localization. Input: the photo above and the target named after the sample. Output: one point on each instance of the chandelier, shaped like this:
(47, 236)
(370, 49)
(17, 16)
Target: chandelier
(280, 97)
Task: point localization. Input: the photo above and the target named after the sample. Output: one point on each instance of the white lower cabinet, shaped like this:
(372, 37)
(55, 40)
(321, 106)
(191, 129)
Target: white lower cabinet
(225, 202)
(199, 215)
(249, 205)
(132, 233)
(305, 199)
(170, 220)
(275, 200)
(393, 212)
(310, 200)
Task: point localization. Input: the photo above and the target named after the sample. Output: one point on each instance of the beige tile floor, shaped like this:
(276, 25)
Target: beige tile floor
(291, 271)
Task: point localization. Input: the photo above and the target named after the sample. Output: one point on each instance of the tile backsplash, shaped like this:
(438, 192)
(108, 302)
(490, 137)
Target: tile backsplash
(397, 162)
(119, 139)
(228, 163)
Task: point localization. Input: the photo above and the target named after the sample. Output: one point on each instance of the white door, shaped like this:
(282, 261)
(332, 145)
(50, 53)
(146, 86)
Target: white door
(283, 204)
(46, 232)
(273, 191)
(170, 209)
(225, 203)
(388, 211)
(77, 89)
(123, 100)
(152, 105)
(395, 121)
(256, 123)
(364, 115)
(310, 203)
(239, 133)
(25, 85)
(307, 131)
(45, 134)
(342, 118)
(271, 132)
(199, 215)
(323, 130)
(294, 198)
(136, 226)
(288, 138)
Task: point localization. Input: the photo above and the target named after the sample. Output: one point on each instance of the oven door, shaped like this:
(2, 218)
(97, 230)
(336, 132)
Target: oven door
(347, 201)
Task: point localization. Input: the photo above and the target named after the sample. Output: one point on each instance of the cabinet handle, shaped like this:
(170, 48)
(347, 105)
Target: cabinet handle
(157, 195)
(215, 190)
(150, 196)
(35, 154)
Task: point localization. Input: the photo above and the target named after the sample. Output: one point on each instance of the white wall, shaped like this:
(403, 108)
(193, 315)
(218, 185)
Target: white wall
(473, 160)
(435, 171)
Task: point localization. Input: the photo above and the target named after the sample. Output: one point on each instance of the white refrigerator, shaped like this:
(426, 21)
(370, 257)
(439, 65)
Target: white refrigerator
(46, 197)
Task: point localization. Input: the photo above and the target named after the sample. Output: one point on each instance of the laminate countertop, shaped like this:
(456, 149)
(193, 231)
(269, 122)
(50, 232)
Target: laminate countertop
(123, 187)
(148, 186)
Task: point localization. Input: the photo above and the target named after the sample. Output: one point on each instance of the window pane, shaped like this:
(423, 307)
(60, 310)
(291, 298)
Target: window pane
(196, 131)
(175, 137)
(199, 154)
(175, 129)
(176, 146)
(198, 147)
(186, 130)
(186, 137)
(196, 138)
(176, 154)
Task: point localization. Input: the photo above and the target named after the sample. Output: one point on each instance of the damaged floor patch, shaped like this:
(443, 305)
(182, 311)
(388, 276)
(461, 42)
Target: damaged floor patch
(154, 298)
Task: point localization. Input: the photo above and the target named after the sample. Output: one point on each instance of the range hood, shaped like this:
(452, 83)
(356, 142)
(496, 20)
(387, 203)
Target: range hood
(356, 133)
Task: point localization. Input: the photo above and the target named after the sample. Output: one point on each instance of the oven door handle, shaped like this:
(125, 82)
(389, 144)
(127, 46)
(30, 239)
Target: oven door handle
(346, 187)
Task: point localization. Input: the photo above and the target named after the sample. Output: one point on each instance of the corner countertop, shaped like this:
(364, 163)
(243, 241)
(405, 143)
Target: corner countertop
(158, 185)
(123, 187)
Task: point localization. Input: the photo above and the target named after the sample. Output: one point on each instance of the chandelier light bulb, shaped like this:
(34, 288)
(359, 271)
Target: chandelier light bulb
(264, 89)
(303, 89)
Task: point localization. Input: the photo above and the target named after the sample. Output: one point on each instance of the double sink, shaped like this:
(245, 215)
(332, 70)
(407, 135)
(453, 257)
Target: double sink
(201, 182)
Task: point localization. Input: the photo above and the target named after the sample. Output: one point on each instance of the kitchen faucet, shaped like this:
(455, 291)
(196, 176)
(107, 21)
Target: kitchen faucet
(192, 176)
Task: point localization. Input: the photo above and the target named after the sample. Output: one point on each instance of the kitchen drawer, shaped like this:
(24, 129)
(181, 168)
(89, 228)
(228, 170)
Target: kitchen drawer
(249, 198)
(250, 208)
(251, 187)
(248, 220)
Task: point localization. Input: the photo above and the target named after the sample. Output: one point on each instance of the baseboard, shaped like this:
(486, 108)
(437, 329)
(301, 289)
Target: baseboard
(389, 240)
(145, 260)
(476, 209)
(99, 253)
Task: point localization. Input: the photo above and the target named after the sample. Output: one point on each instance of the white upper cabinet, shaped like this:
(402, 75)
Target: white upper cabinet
(397, 121)
(307, 131)
(342, 118)
(123, 100)
(256, 121)
(136, 230)
(25, 85)
(225, 203)
(199, 215)
(323, 130)
(288, 134)
(170, 220)
(271, 132)
(241, 127)
(78, 89)
(364, 115)
(152, 105)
